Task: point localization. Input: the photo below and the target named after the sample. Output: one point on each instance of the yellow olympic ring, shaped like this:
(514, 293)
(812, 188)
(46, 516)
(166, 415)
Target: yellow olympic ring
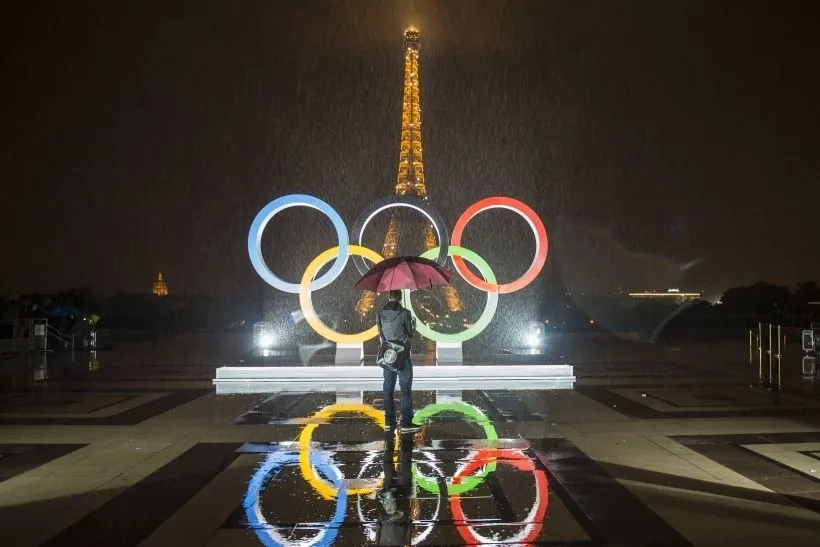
(324, 488)
(307, 304)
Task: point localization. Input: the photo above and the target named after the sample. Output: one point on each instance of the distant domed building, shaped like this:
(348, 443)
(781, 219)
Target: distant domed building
(160, 287)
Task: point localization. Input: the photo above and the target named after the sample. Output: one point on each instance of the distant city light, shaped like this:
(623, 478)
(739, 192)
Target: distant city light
(671, 293)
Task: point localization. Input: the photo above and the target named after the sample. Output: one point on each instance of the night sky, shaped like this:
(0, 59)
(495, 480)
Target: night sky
(144, 136)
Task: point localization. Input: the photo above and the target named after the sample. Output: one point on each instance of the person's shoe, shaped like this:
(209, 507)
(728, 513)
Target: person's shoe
(407, 429)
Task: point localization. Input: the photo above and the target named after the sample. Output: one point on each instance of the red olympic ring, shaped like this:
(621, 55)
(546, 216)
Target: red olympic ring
(535, 223)
(517, 459)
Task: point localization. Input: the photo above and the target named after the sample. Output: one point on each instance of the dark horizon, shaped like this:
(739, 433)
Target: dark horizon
(145, 137)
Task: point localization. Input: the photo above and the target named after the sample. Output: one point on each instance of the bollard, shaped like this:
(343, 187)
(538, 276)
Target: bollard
(760, 350)
(780, 338)
(769, 353)
(751, 353)
(757, 358)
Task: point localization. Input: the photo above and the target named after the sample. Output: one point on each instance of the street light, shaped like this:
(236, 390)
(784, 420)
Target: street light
(263, 335)
(535, 334)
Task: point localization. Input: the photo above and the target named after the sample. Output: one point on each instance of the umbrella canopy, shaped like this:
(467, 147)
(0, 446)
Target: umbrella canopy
(403, 272)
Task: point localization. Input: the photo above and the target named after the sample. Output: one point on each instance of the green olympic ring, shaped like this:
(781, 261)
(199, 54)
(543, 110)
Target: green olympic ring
(464, 484)
(489, 309)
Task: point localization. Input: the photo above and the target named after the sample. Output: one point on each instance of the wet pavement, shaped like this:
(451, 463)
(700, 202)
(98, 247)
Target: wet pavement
(654, 446)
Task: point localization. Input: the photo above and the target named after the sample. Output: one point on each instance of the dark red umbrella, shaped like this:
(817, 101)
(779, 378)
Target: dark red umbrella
(403, 272)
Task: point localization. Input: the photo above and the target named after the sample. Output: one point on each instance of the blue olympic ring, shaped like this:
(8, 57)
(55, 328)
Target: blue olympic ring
(267, 213)
(267, 533)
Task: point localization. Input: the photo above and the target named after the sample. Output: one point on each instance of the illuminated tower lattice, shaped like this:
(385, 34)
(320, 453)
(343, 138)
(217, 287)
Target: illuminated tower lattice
(160, 287)
(410, 177)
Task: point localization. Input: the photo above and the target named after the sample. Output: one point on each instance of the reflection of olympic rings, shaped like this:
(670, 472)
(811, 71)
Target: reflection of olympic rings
(428, 524)
(534, 519)
(343, 250)
(329, 491)
(462, 483)
(269, 534)
(319, 470)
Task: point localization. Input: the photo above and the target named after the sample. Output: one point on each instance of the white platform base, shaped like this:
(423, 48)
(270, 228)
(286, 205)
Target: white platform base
(349, 354)
(350, 397)
(449, 396)
(449, 353)
(369, 378)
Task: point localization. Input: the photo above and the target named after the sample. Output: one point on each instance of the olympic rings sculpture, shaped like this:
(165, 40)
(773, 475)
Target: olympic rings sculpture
(341, 253)
(319, 470)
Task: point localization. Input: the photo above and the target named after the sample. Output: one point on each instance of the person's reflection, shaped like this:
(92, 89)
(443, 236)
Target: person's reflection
(394, 497)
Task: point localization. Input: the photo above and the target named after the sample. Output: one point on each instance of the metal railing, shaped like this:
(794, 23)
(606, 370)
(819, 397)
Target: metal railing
(766, 346)
(810, 341)
(32, 335)
(60, 337)
(811, 338)
(22, 335)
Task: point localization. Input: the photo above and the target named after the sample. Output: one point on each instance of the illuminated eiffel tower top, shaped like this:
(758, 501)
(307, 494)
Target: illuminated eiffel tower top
(410, 176)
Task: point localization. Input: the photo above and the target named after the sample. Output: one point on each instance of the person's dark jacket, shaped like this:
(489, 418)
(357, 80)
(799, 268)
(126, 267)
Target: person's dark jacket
(395, 323)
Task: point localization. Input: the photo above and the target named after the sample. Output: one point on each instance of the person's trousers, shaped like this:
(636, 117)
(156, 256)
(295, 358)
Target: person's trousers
(405, 377)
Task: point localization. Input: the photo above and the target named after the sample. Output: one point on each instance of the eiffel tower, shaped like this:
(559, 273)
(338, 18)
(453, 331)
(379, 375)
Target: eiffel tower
(410, 182)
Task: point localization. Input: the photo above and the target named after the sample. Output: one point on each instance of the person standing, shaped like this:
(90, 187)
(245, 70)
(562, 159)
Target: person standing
(397, 325)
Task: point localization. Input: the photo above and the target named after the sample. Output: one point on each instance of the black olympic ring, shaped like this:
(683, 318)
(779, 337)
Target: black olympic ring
(415, 203)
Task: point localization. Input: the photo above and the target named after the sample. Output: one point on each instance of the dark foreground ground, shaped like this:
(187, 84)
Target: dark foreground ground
(655, 446)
